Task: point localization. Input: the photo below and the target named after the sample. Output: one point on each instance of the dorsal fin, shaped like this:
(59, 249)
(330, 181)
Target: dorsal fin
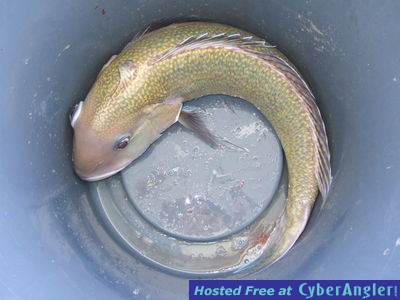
(218, 40)
(322, 169)
(248, 43)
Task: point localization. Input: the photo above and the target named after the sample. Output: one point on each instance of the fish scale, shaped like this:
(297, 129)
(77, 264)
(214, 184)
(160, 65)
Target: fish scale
(190, 60)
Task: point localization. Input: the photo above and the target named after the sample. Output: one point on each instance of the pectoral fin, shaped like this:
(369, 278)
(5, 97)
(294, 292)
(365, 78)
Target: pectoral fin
(127, 73)
(194, 121)
(162, 115)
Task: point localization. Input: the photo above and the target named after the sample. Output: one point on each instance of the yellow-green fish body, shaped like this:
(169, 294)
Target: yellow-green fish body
(140, 92)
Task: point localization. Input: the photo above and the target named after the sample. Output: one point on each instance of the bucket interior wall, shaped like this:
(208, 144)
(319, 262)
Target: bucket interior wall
(51, 52)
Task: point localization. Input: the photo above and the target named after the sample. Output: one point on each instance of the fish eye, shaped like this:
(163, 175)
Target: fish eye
(74, 113)
(122, 142)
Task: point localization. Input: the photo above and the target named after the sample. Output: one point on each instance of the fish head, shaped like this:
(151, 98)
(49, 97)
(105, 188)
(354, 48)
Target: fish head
(107, 141)
(98, 155)
(120, 118)
(109, 131)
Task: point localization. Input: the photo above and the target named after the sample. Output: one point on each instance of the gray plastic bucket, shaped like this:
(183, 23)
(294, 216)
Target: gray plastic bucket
(54, 243)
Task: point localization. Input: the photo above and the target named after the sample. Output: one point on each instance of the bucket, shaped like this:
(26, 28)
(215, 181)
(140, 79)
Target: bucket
(59, 235)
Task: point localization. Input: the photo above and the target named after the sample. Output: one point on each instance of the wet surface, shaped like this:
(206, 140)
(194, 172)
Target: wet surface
(191, 209)
(192, 191)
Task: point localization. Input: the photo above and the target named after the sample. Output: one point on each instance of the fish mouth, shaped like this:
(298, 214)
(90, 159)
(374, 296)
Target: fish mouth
(95, 177)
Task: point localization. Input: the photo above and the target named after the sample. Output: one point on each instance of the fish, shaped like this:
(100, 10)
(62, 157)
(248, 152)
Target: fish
(140, 92)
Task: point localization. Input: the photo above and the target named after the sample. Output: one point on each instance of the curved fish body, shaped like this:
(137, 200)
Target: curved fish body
(139, 93)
